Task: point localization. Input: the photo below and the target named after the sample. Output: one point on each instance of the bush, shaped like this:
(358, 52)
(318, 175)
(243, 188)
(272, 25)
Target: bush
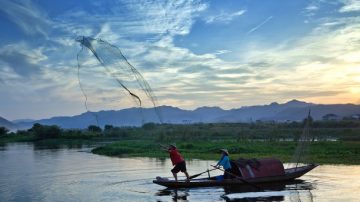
(108, 128)
(148, 126)
(44, 132)
(3, 131)
(95, 129)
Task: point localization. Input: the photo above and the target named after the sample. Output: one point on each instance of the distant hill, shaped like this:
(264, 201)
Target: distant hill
(269, 112)
(7, 124)
(293, 110)
(22, 120)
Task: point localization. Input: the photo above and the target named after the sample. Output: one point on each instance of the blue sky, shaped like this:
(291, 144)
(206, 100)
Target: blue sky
(227, 53)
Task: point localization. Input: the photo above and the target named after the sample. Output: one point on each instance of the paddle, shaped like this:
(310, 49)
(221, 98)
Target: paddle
(239, 178)
(197, 175)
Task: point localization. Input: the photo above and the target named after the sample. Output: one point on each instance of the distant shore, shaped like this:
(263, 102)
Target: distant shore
(334, 143)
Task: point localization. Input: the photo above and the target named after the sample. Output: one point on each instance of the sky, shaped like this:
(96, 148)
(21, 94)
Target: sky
(193, 53)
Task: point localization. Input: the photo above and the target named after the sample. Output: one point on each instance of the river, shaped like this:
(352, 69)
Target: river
(33, 173)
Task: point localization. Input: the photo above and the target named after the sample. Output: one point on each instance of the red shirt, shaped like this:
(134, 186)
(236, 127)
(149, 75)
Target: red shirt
(175, 156)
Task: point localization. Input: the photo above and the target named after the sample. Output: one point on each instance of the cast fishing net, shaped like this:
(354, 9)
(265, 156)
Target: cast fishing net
(106, 78)
(301, 155)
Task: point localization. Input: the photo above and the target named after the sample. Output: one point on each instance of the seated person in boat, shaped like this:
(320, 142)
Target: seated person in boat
(178, 162)
(225, 163)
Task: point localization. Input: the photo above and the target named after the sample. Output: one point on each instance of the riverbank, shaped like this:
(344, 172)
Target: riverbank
(51, 143)
(323, 152)
(15, 138)
(335, 142)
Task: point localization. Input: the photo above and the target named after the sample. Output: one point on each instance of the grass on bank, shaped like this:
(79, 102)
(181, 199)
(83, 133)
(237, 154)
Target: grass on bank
(16, 138)
(202, 141)
(324, 152)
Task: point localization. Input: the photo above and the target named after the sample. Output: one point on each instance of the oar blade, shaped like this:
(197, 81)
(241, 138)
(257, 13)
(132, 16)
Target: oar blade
(197, 175)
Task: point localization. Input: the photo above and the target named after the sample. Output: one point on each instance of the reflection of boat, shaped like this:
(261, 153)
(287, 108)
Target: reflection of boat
(269, 195)
(294, 190)
(264, 171)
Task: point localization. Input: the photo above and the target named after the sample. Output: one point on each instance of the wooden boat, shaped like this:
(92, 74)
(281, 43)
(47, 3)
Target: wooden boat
(270, 171)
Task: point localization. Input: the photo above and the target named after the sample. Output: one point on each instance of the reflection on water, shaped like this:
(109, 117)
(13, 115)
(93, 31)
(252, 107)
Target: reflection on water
(46, 145)
(297, 190)
(71, 173)
(177, 195)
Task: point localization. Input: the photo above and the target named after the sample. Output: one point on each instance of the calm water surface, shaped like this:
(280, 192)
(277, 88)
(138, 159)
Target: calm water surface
(32, 173)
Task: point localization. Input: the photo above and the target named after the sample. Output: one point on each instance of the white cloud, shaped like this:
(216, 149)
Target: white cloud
(350, 6)
(224, 17)
(107, 33)
(220, 52)
(23, 59)
(311, 9)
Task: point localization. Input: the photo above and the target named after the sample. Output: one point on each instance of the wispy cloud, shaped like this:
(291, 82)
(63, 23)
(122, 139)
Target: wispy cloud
(27, 16)
(311, 9)
(142, 18)
(259, 25)
(24, 60)
(224, 17)
(220, 52)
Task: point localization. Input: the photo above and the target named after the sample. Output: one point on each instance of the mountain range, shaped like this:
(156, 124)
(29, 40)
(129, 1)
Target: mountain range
(293, 110)
(7, 124)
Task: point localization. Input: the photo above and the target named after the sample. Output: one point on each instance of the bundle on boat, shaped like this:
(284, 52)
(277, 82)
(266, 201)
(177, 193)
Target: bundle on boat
(244, 172)
(252, 168)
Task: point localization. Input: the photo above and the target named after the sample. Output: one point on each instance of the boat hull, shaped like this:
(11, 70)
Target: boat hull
(290, 174)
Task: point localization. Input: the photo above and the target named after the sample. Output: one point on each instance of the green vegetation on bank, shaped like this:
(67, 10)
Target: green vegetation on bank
(322, 152)
(336, 142)
(51, 135)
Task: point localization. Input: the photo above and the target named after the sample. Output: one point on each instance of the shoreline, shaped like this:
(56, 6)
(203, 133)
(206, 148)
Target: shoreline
(330, 142)
(322, 153)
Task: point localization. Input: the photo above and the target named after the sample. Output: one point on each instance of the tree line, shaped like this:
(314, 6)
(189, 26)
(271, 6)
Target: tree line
(198, 131)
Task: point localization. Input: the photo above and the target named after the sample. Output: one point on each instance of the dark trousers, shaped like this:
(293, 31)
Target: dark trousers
(227, 175)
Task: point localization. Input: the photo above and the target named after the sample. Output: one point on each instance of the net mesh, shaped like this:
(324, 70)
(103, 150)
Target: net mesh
(301, 155)
(98, 61)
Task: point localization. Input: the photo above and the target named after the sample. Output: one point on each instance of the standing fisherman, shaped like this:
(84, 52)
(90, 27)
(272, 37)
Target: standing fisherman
(178, 162)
